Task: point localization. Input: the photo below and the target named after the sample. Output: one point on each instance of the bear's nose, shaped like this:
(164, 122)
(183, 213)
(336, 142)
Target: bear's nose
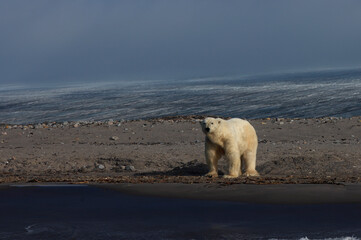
(207, 129)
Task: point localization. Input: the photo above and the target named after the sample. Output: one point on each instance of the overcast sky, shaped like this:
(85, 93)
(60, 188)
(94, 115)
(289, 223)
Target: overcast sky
(69, 40)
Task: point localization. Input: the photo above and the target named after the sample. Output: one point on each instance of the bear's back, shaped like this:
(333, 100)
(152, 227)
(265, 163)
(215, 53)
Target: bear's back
(242, 127)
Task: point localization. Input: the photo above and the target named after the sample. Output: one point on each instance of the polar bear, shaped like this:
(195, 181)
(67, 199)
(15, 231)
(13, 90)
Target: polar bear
(236, 139)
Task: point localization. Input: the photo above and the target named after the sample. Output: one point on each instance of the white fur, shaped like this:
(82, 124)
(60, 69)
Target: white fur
(234, 138)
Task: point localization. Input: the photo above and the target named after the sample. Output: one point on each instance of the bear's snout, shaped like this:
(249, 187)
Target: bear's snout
(207, 129)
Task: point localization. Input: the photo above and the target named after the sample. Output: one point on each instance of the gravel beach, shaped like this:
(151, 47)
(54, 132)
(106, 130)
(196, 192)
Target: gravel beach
(171, 150)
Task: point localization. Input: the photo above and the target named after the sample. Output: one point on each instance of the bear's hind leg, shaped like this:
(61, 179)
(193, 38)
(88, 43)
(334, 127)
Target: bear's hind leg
(249, 160)
(234, 165)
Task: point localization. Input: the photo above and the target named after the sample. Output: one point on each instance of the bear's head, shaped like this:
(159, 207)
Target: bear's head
(210, 125)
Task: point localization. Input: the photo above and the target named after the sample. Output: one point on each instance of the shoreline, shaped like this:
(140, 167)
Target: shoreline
(176, 118)
(111, 179)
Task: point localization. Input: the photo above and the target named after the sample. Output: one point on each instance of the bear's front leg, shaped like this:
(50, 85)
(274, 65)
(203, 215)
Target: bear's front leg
(234, 163)
(212, 156)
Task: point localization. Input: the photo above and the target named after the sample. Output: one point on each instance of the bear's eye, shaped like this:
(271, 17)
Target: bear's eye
(212, 123)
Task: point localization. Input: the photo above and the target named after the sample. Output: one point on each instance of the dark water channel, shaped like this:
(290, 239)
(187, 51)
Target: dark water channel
(86, 212)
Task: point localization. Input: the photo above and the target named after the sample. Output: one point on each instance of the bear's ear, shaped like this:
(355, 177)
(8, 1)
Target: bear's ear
(219, 121)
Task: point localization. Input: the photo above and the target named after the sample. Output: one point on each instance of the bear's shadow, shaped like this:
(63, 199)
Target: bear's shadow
(192, 168)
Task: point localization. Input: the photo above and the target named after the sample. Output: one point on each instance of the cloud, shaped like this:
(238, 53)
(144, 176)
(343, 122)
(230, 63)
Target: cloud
(47, 41)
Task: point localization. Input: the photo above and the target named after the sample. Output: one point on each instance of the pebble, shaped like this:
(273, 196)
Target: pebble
(130, 168)
(76, 125)
(101, 166)
(114, 138)
(122, 167)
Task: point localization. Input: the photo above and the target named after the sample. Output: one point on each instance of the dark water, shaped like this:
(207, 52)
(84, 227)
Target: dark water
(83, 212)
(306, 95)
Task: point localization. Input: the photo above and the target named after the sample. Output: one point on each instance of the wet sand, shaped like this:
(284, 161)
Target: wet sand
(248, 193)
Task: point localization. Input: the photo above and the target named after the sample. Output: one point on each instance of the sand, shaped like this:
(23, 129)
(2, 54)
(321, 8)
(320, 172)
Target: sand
(171, 150)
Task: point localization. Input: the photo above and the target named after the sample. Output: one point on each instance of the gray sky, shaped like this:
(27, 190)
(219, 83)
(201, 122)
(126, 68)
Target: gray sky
(69, 40)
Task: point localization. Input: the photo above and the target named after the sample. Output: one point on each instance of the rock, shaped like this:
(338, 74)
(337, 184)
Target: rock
(110, 122)
(114, 138)
(122, 167)
(76, 125)
(101, 166)
(130, 168)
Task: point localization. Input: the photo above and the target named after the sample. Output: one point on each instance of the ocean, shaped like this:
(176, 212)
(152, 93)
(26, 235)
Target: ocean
(290, 95)
(60, 212)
